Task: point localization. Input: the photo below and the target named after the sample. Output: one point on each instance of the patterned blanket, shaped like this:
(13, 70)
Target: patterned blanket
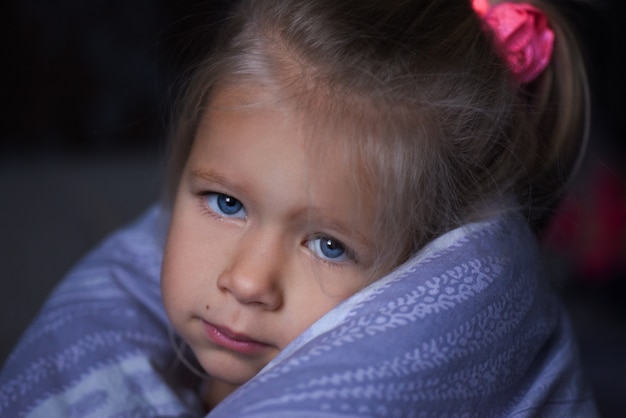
(468, 327)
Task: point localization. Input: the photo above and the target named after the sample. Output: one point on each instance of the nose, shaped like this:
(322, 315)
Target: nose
(253, 275)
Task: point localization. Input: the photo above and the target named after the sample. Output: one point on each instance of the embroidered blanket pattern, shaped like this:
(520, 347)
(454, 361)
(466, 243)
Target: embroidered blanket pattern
(468, 327)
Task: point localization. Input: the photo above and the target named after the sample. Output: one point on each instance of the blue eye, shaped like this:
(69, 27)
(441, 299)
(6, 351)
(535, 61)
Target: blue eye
(226, 206)
(328, 249)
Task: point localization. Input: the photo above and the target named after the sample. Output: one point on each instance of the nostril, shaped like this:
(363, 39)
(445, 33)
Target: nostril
(251, 289)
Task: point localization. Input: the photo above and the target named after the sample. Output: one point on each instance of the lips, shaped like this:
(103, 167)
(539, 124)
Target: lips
(233, 341)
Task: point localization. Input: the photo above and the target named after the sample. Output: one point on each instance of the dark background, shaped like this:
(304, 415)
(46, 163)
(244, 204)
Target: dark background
(85, 92)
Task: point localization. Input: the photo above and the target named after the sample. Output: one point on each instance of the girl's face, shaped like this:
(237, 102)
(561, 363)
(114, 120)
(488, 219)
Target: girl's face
(263, 241)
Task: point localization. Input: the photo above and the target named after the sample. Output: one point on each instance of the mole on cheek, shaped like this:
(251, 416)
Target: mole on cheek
(206, 307)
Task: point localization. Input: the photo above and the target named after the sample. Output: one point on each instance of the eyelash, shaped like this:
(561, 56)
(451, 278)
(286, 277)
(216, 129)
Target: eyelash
(203, 199)
(350, 256)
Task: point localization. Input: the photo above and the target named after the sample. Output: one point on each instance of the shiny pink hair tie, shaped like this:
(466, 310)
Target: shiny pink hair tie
(523, 36)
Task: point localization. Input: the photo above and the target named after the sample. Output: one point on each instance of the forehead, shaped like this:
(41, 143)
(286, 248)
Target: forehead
(298, 117)
(247, 131)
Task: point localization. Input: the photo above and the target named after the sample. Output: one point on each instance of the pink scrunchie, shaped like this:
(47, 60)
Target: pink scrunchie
(522, 34)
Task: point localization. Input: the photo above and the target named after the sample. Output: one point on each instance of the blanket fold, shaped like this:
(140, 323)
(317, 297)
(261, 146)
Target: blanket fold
(467, 327)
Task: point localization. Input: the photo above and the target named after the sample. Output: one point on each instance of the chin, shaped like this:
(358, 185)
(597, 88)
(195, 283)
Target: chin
(229, 368)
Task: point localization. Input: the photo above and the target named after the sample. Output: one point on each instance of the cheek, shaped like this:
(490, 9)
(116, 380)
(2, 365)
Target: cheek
(190, 265)
(178, 273)
(171, 280)
(332, 285)
(319, 290)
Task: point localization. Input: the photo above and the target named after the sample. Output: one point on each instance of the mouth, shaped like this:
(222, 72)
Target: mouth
(233, 341)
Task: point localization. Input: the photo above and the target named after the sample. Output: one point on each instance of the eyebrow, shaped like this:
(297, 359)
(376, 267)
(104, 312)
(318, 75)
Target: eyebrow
(213, 177)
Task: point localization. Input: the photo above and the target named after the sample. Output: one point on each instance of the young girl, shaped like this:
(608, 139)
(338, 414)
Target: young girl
(352, 191)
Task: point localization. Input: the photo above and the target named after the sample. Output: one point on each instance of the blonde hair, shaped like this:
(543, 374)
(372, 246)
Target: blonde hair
(439, 131)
